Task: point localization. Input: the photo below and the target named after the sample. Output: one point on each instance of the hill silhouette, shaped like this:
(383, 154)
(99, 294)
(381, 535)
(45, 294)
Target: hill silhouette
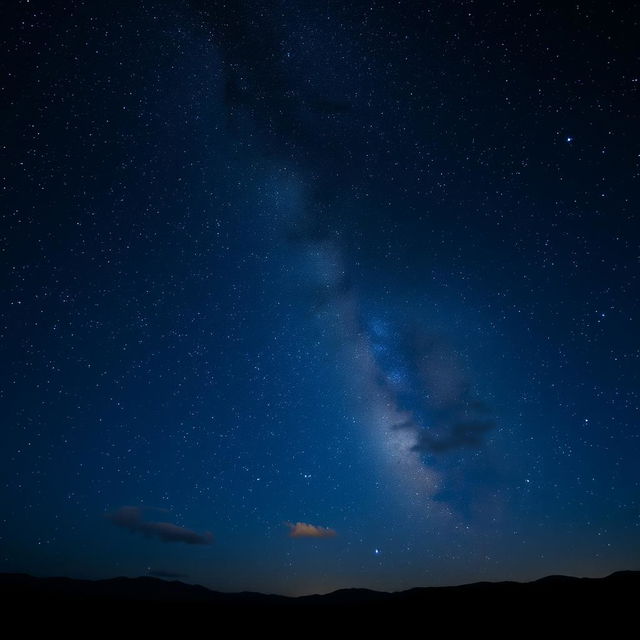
(545, 604)
(18, 586)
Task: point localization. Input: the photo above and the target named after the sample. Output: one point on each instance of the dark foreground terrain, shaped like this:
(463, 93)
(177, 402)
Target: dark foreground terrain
(579, 603)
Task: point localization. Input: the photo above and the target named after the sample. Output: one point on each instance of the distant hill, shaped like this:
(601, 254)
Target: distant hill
(483, 604)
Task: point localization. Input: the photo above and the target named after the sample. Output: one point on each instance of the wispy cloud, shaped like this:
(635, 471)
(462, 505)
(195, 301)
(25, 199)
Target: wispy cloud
(131, 518)
(459, 419)
(161, 573)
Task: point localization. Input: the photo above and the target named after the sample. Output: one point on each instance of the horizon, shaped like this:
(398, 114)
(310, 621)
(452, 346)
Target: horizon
(184, 581)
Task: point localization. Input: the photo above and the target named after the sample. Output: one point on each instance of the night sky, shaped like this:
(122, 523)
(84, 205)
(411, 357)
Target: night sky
(308, 295)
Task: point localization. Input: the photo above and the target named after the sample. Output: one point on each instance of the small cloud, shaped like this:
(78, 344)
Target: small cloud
(305, 530)
(160, 573)
(131, 518)
(462, 434)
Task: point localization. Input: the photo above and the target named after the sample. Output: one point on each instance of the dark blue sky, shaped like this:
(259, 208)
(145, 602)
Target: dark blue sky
(300, 296)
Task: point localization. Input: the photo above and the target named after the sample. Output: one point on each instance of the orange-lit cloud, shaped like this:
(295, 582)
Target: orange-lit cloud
(305, 530)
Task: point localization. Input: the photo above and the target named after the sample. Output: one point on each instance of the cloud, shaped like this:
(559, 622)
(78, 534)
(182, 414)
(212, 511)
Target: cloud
(305, 530)
(456, 417)
(469, 433)
(131, 518)
(160, 573)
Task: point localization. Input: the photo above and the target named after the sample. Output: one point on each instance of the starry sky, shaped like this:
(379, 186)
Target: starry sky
(309, 295)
